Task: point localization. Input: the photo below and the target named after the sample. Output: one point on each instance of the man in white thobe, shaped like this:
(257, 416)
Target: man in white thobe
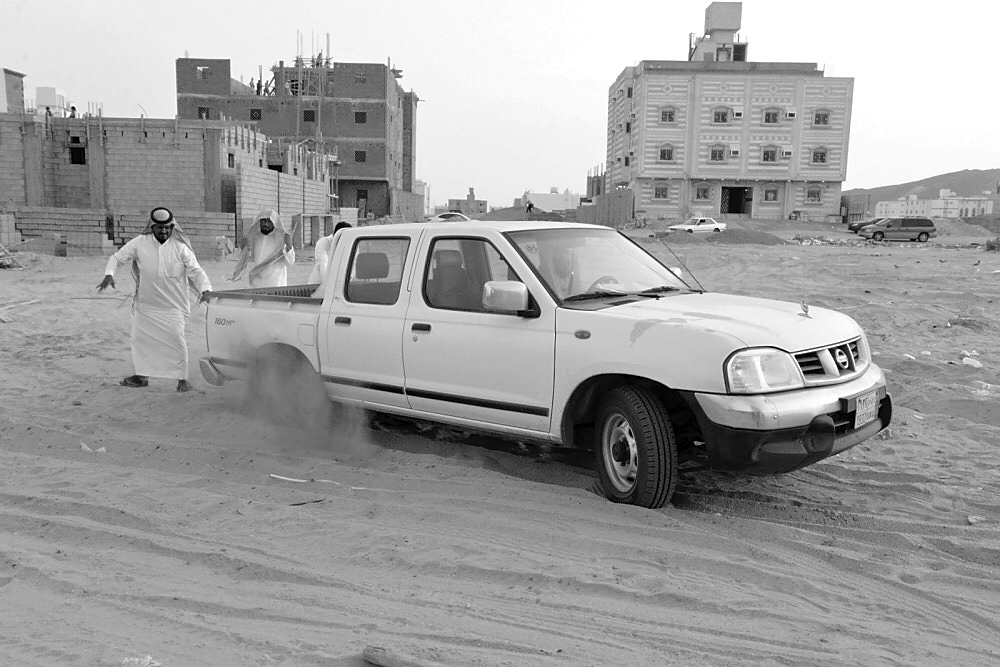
(269, 246)
(163, 264)
(324, 253)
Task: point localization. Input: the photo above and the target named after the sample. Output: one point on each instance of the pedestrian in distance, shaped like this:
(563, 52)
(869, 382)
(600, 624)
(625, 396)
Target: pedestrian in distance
(268, 247)
(163, 266)
(72, 112)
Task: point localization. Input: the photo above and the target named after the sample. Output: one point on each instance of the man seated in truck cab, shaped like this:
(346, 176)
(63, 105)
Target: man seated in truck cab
(555, 263)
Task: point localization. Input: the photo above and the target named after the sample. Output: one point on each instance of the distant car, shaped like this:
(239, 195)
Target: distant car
(692, 225)
(450, 216)
(900, 229)
(858, 224)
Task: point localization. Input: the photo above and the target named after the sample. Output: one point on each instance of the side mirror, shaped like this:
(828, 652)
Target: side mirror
(510, 296)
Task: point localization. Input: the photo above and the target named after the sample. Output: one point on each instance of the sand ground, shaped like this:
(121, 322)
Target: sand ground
(147, 525)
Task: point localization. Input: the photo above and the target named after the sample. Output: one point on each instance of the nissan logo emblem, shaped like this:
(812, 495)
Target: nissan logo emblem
(842, 359)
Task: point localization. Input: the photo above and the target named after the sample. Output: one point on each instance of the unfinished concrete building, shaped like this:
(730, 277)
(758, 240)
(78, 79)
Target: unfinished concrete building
(355, 114)
(718, 135)
(93, 180)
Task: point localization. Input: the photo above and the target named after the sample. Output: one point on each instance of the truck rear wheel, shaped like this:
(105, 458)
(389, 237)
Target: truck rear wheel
(285, 388)
(635, 448)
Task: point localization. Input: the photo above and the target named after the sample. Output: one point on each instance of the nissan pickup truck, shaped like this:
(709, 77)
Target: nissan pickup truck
(563, 334)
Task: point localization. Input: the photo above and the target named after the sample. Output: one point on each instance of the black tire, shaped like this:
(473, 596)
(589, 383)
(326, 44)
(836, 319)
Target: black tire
(716, 230)
(878, 236)
(690, 231)
(635, 448)
(284, 388)
(923, 236)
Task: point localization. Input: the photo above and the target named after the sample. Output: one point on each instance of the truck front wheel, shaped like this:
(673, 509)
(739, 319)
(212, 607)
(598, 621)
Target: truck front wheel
(635, 448)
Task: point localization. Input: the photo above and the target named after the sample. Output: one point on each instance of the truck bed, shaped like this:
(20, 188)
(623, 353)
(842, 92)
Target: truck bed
(289, 293)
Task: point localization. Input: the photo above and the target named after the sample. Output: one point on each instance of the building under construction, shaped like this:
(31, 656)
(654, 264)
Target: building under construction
(356, 116)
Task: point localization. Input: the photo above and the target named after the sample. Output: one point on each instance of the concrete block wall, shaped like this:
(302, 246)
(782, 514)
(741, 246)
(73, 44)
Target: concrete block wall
(9, 234)
(154, 166)
(258, 189)
(297, 195)
(65, 185)
(63, 231)
(11, 162)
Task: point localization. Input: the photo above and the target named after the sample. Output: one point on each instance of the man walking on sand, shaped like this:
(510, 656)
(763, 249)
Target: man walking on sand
(163, 264)
(269, 245)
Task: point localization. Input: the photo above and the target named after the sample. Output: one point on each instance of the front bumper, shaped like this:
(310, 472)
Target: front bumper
(782, 432)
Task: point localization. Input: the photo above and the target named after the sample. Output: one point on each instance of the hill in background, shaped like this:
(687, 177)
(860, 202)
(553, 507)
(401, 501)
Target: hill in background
(968, 182)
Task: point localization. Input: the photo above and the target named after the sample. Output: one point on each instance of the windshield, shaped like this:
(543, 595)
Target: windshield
(598, 261)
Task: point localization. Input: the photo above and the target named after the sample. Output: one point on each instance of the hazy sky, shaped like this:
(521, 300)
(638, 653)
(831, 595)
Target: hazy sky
(514, 92)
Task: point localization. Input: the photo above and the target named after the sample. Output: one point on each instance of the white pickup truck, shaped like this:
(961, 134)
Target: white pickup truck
(560, 333)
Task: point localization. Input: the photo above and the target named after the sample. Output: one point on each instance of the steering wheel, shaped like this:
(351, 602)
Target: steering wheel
(602, 279)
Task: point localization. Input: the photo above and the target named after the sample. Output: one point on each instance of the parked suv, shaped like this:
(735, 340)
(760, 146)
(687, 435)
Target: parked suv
(900, 229)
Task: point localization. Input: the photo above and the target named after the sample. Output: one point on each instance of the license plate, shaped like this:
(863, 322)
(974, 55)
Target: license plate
(867, 409)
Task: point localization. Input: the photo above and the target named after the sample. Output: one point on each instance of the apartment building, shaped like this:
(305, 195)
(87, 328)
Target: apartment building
(470, 206)
(355, 114)
(718, 135)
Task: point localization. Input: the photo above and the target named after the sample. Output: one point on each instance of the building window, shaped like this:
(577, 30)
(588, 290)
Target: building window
(717, 153)
(769, 154)
(770, 194)
(629, 91)
(361, 156)
(819, 156)
(702, 192)
(231, 160)
(821, 117)
(201, 73)
(77, 155)
(666, 153)
(360, 77)
(255, 114)
(668, 115)
(721, 115)
(628, 127)
(204, 113)
(661, 191)
(628, 160)
(814, 195)
(360, 117)
(308, 115)
(771, 116)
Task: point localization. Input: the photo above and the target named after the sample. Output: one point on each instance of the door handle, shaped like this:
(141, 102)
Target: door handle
(340, 319)
(420, 326)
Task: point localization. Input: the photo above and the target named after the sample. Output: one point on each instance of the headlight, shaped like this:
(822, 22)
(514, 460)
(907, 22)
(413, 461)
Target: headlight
(762, 370)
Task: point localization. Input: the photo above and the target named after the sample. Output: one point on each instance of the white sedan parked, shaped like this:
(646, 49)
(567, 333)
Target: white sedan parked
(449, 216)
(698, 225)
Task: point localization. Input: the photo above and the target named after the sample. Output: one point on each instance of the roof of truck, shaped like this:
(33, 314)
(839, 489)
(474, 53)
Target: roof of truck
(499, 225)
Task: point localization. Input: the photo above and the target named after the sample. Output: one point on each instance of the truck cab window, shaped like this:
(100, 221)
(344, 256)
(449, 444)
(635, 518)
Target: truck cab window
(376, 270)
(458, 269)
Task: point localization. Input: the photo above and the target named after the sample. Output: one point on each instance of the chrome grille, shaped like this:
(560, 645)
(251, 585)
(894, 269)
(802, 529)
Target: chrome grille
(830, 364)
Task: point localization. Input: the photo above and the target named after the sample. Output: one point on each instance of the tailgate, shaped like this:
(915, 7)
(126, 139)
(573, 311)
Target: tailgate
(239, 322)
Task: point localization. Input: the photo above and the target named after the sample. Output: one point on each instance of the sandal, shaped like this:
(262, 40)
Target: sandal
(184, 385)
(135, 381)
